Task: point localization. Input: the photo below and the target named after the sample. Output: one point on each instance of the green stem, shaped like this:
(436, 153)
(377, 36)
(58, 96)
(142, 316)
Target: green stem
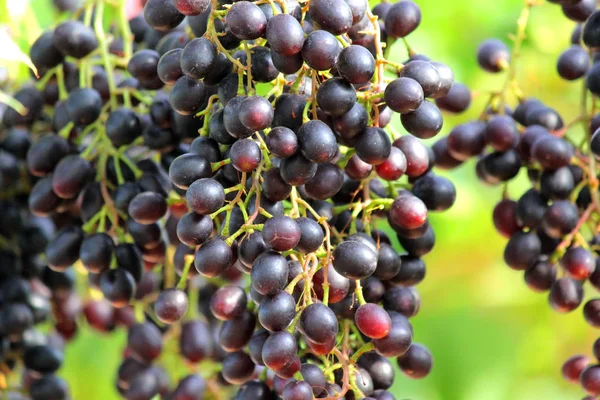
(99, 29)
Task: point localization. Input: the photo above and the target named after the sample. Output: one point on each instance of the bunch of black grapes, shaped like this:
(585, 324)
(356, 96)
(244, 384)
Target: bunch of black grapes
(553, 227)
(213, 175)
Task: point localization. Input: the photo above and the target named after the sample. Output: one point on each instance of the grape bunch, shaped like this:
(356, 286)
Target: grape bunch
(214, 178)
(552, 228)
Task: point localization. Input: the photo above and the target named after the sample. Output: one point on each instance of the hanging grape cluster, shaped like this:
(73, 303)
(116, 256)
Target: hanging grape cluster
(213, 177)
(552, 228)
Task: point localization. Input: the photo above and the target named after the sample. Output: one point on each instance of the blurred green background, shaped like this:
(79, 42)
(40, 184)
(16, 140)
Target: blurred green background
(491, 337)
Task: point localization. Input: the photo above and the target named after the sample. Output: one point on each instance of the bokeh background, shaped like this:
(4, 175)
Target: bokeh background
(491, 337)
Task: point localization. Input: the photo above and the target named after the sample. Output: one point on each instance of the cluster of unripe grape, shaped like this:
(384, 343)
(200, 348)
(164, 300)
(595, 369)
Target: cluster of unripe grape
(211, 173)
(553, 227)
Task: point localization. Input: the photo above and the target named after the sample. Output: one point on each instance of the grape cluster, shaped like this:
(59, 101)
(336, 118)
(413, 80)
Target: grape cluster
(213, 176)
(552, 227)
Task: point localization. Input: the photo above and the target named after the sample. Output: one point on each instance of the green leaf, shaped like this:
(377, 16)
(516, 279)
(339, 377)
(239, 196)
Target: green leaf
(11, 51)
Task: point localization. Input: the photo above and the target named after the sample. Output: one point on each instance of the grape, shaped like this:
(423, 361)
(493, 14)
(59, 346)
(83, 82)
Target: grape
(522, 250)
(373, 146)
(171, 305)
(402, 18)
(195, 342)
(162, 15)
(263, 69)
(246, 20)
(213, 257)
(237, 367)
(297, 170)
(117, 286)
(43, 359)
(245, 155)
(317, 142)
(256, 113)
(417, 362)
(187, 95)
(540, 276)
(269, 273)
(297, 390)
(205, 196)
(425, 122)
(573, 63)
(228, 302)
(44, 54)
(398, 340)
(457, 100)
(321, 50)
(566, 295)
(373, 321)
(354, 260)
(198, 58)
(356, 64)
(147, 207)
(493, 55)
(579, 11)
(394, 167)
(96, 252)
(49, 387)
(235, 334)
(336, 97)
(191, 7)
(74, 39)
(84, 106)
(276, 312)
(284, 34)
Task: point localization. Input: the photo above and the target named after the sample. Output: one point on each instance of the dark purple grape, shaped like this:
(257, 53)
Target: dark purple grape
(162, 15)
(70, 176)
(425, 122)
(402, 18)
(49, 387)
(205, 196)
(373, 146)
(96, 252)
(74, 39)
(354, 260)
(566, 295)
(579, 11)
(317, 142)
(237, 368)
(117, 286)
(321, 50)
(285, 34)
(63, 250)
(493, 55)
(457, 100)
(269, 273)
(355, 63)
(573, 63)
(213, 257)
(171, 305)
(147, 207)
(296, 170)
(417, 362)
(235, 334)
(398, 341)
(318, 323)
(336, 97)
(276, 312)
(187, 95)
(229, 302)
(245, 155)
